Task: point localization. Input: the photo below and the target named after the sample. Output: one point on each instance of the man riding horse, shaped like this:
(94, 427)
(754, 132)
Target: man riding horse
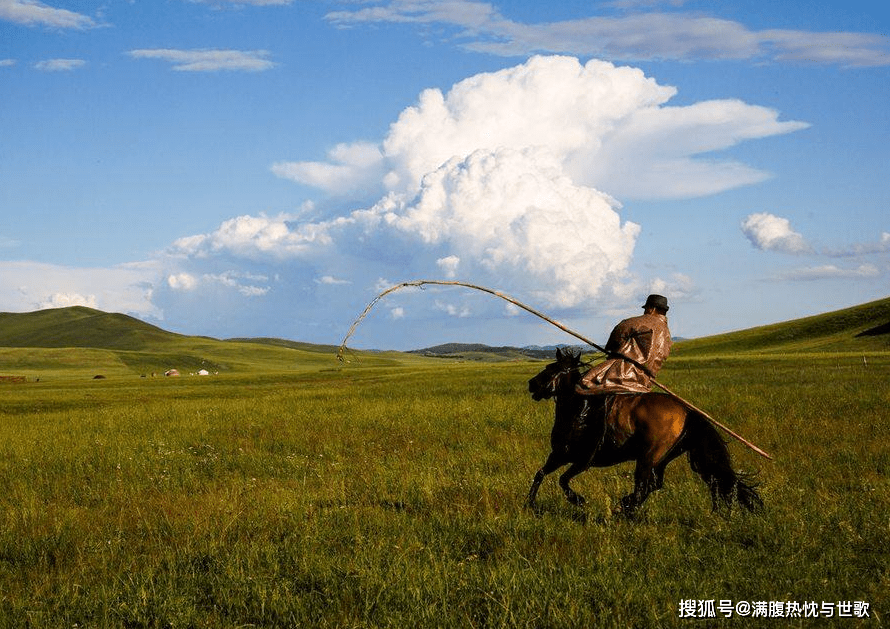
(608, 416)
(636, 350)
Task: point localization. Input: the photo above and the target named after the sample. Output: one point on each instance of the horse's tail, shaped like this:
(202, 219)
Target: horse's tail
(709, 458)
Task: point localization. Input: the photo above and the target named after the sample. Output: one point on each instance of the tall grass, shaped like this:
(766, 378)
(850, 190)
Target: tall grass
(389, 497)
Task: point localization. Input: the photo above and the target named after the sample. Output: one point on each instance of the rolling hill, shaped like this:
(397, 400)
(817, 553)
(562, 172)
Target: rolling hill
(83, 340)
(479, 351)
(80, 327)
(78, 341)
(863, 328)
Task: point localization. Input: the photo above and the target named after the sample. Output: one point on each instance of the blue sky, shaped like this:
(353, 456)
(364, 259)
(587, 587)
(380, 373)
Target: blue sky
(266, 167)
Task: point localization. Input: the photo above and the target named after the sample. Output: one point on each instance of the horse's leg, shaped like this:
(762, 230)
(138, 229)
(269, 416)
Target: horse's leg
(672, 454)
(573, 497)
(646, 479)
(554, 462)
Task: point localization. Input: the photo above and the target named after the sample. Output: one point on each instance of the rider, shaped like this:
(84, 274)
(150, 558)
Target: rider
(636, 350)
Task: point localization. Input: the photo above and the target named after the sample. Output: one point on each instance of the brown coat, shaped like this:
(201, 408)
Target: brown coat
(645, 340)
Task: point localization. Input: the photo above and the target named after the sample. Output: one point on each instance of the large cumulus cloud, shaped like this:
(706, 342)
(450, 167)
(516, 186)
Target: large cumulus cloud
(509, 176)
(610, 127)
(509, 179)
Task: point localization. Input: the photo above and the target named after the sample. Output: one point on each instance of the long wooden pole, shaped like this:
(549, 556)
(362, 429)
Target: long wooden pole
(421, 283)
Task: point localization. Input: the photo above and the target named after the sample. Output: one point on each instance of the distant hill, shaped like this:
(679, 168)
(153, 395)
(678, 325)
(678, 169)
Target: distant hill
(82, 340)
(78, 340)
(79, 327)
(864, 328)
(479, 351)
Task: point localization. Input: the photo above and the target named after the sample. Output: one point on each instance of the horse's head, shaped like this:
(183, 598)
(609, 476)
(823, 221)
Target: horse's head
(556, 376)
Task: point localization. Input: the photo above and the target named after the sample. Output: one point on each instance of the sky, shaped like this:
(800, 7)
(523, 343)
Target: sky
(267, 167)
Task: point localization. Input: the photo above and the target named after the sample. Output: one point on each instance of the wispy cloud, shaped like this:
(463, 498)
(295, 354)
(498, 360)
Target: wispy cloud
(769, 232)
(209, 60)
(680, 286)
(627, 35)
(32, 13)
(882, 245)
(842, 49)
(330, 280)
(7, 63)
(351, 166)
(246, 283)
(60, 65)
(829, 271)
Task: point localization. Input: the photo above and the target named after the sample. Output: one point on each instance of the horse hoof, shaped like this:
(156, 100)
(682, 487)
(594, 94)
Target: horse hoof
(628, 510)
(576, 499)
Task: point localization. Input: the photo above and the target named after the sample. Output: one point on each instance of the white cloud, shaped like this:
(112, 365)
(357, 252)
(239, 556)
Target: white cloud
(453, 310)
(60, 65)
(182, 281)
(499, 180)
(597, 119)
(242, 282)
(656, 152)
(882, 245)
(449, 265)
(65, 300)
(7, 63)
(209, 60)
(769, 232)
(844, 49)
(502, 178)
(32, 13)
(679, 286)
(627, 35)
(330, 280)
(830, 271)
(516, 215)
(353, 166)
(26, 286)
(548, 101)
(256, 237)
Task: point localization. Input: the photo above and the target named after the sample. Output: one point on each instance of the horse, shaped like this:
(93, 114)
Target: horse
(658, 428)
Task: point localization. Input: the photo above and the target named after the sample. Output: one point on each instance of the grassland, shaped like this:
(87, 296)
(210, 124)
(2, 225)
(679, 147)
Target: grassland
(386, 493)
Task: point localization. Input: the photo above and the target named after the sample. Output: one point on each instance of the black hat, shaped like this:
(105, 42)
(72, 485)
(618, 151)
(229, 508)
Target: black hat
(656, 301)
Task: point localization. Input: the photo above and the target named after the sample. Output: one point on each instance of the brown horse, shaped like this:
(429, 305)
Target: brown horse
(658, 429)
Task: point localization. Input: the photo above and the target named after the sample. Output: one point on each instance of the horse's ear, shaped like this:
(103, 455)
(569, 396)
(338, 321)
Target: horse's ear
(559, 353)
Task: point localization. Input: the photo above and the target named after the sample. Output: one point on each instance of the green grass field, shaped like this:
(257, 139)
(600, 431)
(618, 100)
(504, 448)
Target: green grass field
(392, 497)
(292, 491)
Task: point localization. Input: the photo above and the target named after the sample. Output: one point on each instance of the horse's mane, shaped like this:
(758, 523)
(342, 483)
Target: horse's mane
(570, 359)
(568, 363)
